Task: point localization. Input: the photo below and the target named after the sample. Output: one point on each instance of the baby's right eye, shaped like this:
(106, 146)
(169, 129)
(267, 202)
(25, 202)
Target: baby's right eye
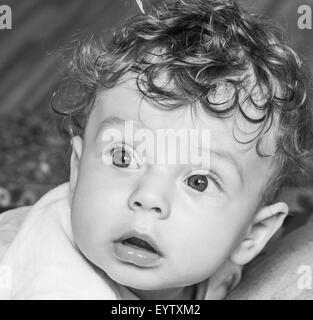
(120, 157)
(204, 182)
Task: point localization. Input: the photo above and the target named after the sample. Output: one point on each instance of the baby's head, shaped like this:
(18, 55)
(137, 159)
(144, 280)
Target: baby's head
(204, 65)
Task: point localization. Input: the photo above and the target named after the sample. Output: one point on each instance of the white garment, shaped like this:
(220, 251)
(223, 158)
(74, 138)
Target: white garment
(41, 261)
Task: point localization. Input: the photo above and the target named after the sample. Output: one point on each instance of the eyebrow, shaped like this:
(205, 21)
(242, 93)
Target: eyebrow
(111, 121)
(116, 121)
(229, 157)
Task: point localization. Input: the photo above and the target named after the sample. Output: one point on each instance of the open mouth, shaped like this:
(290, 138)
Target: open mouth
(139, 243)
(137, 249)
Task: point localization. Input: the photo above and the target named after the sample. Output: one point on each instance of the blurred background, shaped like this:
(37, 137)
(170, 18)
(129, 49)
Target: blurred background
(34, 157)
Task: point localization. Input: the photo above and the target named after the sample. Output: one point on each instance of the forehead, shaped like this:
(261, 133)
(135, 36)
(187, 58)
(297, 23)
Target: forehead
(126, 102)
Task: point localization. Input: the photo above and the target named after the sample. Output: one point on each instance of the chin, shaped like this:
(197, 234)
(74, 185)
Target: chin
(136, 278)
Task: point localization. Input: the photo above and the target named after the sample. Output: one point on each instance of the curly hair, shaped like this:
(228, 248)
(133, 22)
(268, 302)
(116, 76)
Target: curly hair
(199, 45)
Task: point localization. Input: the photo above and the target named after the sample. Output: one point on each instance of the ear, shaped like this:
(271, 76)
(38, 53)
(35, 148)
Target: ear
(77, 146)
(266, 222)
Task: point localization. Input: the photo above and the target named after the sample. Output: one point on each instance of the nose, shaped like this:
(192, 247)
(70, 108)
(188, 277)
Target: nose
(151, 199)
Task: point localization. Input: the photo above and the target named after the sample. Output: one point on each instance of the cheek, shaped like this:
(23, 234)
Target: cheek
(200, 242)
(98, 210)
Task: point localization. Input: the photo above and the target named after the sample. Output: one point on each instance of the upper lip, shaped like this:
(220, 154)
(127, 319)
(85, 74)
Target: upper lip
(142, 236)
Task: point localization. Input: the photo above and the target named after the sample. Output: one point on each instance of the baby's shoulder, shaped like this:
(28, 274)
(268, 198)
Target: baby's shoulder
(28, 223)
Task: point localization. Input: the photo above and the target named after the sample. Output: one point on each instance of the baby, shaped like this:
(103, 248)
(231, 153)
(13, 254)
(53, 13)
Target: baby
(137, 221)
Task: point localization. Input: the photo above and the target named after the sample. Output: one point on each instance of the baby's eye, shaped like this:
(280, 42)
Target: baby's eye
(201, 182)
(122, 158)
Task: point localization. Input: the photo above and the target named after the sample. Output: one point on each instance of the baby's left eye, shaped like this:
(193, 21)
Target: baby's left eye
(200, 182)
(122, 158)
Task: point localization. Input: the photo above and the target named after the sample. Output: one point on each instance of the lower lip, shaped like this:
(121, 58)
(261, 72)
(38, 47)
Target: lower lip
(134, 255)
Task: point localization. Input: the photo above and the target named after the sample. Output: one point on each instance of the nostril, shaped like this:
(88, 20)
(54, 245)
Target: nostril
(156, 209)
(137, 204)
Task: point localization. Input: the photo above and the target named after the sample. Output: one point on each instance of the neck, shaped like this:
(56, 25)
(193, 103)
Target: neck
(184, 293)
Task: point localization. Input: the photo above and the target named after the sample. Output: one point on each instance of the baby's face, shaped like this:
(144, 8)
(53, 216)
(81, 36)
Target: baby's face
(193, 215)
